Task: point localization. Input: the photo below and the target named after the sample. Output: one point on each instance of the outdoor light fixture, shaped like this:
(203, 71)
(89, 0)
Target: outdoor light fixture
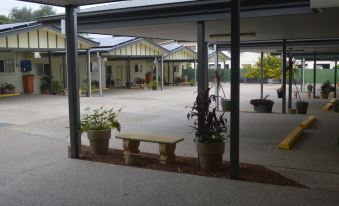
(37, 55)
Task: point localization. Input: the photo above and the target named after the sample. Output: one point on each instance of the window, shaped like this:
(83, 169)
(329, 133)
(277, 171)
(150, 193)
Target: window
(176, 69)
(43, 69)
(138, 68)
(7, 66)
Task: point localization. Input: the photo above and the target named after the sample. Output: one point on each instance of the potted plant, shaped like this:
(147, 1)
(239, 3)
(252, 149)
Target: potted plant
(280, 92)
(210, 130)
(301, 107)
(45, 84)
(309, 90)
(153, 84)
(262, 105)
(98, 124)
(57, 88)
(325, 89)
(9, 88)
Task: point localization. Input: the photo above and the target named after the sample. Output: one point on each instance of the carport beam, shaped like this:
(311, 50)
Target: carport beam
(73, 80)
(235, 89)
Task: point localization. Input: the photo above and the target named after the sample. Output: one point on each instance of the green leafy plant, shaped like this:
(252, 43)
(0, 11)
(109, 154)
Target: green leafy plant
(153, 84)
(272, 68)
(281, 89)
(208, 125)
(309, 87)
(263, 101)
(9, 86)
(45, 82)
(57, 87)
(327, 87)
(100, 119)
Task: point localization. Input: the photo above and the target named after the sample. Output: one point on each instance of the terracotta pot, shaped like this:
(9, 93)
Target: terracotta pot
(99, 140)
(210, 155)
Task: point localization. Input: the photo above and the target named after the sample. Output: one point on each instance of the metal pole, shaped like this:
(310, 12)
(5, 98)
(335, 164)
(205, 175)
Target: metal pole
(314, 73)
(335, 78)
(195, 72)
(89, 74)
(100, 74)
(284, 77)
(290, 76)
(168, 73)
(202, 73)
(262, 75)
(156, 70)
(235, 88)
(216, 61)
(302, 75)
(162, 74)
(50, 72)
(73, 80)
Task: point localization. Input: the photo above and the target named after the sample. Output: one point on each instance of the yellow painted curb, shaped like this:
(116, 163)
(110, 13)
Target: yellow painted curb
(307, 122)
(327, 106)
(332, 100)
(291, 139)
(9, 95)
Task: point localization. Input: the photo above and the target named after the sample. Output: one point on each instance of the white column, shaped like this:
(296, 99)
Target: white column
(100, 74)
(162, 73)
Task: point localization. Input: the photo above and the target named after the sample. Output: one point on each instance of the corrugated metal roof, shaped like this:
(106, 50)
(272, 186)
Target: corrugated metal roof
(70, 2)
(113, 41)
(171, 47)
(16, 25)
(131, 4)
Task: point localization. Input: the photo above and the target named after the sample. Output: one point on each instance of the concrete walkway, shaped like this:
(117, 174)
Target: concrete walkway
(36, 171)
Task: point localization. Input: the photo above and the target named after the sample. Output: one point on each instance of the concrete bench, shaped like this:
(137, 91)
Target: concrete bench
(167, 144)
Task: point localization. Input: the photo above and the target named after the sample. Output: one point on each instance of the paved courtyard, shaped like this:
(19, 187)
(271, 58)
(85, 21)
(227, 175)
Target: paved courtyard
(35, 169)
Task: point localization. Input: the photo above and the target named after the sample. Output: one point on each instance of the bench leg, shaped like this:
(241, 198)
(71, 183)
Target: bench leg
(131, 146)
(167, 153)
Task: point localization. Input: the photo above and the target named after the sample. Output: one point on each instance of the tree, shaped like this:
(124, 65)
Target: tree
(4, 19)
(272, 68)
(23, 14)
(26, 14)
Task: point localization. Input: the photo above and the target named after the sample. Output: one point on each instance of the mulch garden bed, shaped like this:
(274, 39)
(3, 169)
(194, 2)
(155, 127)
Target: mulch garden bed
(188, 165)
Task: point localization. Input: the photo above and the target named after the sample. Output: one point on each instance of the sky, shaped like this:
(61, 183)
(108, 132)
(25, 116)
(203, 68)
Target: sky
(6, 8)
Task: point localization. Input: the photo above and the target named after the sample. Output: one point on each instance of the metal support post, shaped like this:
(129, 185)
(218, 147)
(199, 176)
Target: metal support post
(262, 75)
(290, 78)
(284, 77)
(314, 72)
(235, 89)
(99, 60)
(89, 74)
(73, 80)
(335, 78)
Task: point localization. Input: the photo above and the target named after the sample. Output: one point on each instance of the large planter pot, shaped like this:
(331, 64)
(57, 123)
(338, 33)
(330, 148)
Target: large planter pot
(263, 108)
(99, 140)
(301, 107)
(210, 155)
(324, 95)
(280, 94)
(226, 105)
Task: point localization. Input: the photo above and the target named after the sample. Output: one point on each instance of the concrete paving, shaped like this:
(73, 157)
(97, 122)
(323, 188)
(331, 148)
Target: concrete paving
(36, 171)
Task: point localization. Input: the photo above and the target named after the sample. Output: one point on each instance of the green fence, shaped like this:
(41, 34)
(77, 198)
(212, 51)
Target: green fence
(322, 75)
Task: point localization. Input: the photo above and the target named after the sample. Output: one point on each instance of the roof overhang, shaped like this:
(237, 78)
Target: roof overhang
(64, 3)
